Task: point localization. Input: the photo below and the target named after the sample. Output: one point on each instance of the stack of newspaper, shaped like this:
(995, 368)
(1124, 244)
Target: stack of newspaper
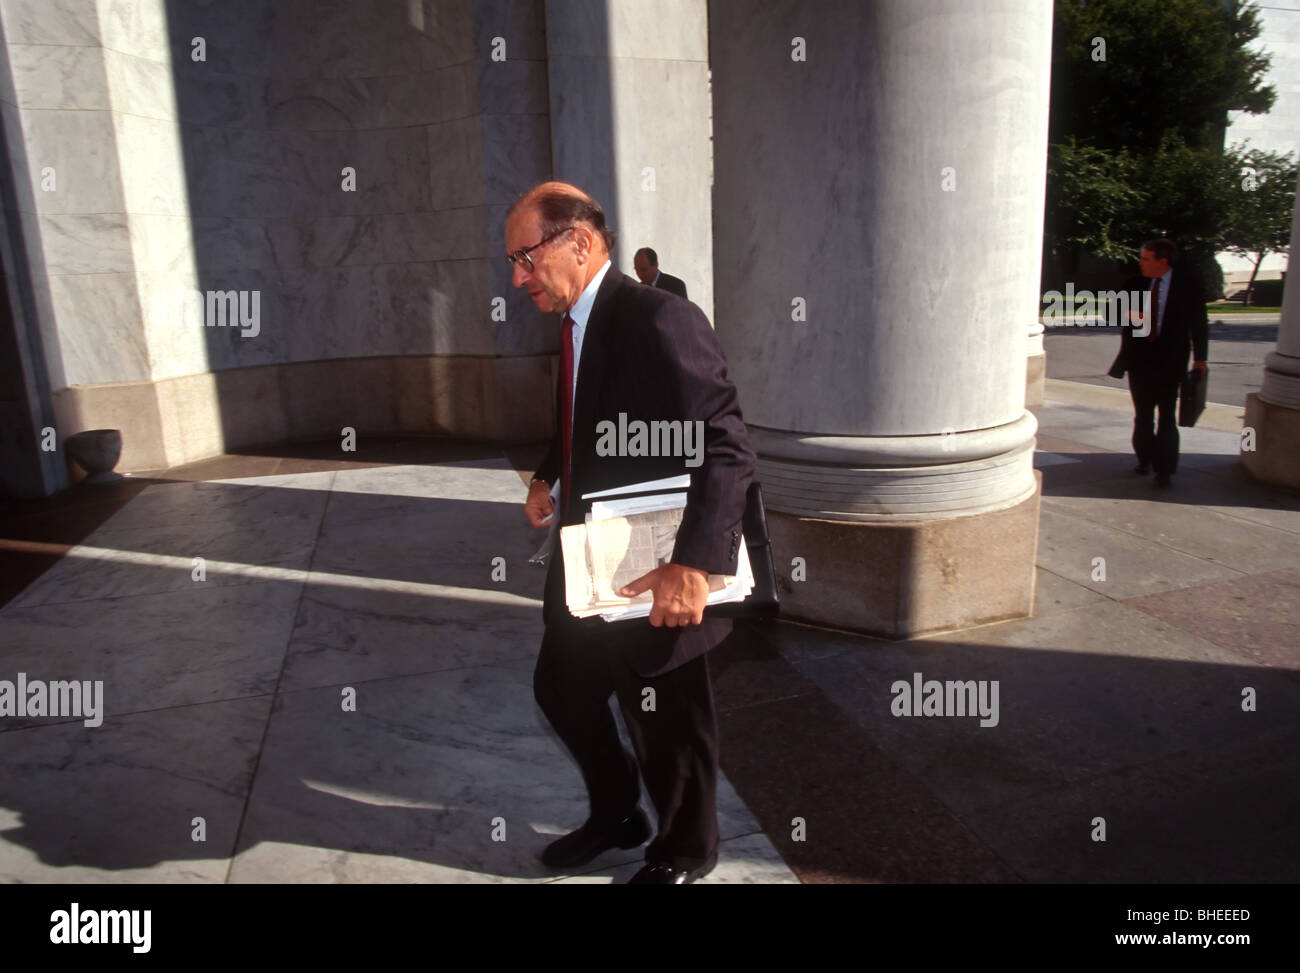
(625, 537)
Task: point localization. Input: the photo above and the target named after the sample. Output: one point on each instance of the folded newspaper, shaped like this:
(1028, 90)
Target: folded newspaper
(623, 539)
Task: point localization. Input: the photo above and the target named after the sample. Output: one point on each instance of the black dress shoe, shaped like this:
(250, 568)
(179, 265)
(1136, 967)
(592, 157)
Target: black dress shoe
(667, 875)
(581, 846)
(1142, 469)
(1162, 479)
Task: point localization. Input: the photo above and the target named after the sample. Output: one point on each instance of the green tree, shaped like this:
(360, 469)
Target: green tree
(1177, 65)
(1260, 221)
(1095, 198)
(1140, 95)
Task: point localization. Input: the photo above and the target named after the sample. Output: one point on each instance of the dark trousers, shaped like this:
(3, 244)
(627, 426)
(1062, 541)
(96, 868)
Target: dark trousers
(676, 744)
(1156, 445)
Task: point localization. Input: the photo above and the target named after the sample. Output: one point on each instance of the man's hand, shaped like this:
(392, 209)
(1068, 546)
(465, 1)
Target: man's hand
(538, 506)
(680, 594)
(1200, 367)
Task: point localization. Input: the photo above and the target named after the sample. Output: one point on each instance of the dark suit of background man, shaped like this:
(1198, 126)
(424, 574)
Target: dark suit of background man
(646, 264)
(1157, 362)
(635, 350)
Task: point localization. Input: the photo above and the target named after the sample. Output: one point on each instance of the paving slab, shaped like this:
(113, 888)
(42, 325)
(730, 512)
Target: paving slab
(430, 541)
(118, 803)
(1069, 546)
(1080, 693)
(1257, 618)
(1053, 593)
(234, 504)
(155, 651)
(1215, 537)
(837, 806)
(152, 560)
(1211, 814)
(345, 634)
(413, 785)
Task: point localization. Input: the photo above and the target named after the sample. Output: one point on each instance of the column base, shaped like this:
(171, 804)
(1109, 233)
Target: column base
(896, 580)
(1276, 456)
(1035, 380)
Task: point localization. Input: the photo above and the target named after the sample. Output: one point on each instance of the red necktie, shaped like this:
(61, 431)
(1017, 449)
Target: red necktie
(1155, 308)
(566, 412)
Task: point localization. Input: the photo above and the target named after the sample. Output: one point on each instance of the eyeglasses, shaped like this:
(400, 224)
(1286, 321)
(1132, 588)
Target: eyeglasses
(521, 256)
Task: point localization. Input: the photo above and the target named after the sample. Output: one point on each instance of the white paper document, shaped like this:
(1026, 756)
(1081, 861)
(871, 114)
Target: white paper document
(622, 540)
(604, 509)
(669, 483)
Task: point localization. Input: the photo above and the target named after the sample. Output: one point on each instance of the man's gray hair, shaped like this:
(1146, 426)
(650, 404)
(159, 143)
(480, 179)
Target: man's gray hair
(558, 209)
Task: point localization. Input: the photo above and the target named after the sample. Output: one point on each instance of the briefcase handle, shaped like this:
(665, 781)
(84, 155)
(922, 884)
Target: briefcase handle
(765, 600)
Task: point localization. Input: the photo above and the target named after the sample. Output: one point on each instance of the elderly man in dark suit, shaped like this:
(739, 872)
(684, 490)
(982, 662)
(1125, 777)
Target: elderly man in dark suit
(646, 264)
(632, 350)
(1157, 360)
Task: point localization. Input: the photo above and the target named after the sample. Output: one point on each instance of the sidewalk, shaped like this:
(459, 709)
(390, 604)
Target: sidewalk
(1100, 321)
(1120, 699)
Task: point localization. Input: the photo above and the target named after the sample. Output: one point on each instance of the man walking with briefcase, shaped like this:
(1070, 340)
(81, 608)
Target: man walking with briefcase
(1156, 361)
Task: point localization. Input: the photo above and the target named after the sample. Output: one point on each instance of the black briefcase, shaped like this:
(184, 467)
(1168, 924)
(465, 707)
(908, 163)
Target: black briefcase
(763, 601)
(1191, 398)
(1119, 366)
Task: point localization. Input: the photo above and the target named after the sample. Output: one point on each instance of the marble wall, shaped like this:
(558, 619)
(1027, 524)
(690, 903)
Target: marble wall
(410, 98)
(631, 123)
(26, 407)
(341, 168)
(63, 135)
(340, 171)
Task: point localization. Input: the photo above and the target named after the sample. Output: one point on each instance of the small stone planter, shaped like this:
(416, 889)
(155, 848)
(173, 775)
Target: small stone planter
(96, 451)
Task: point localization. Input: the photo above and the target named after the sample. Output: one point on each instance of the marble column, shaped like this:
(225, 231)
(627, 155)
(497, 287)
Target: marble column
(1273, 413)
(630, 123)
(878, 216)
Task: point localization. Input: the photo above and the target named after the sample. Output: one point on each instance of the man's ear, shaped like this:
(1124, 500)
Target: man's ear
(585, 240)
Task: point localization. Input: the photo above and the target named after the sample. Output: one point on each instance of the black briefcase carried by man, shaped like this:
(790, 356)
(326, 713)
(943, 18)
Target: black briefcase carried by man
(1191, 398)
(764, 601)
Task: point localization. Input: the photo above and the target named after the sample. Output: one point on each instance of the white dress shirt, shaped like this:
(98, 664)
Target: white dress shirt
(1160, 287)
(581, 312)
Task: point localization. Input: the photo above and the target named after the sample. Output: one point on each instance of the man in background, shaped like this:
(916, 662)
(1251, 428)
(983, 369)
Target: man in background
(646, 264)
(1177, 325)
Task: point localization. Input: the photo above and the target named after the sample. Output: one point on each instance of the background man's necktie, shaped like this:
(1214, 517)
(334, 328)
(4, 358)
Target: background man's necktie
(1155, 308)
(566, 412)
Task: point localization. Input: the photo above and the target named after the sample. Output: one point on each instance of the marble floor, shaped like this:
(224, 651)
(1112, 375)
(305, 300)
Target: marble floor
(343, 695)
(311, 674)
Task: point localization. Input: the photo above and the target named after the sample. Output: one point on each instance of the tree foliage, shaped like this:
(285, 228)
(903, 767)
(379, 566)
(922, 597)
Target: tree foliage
(1170, 65)
(1093, 197)
(1260, 220)
(1140, 95)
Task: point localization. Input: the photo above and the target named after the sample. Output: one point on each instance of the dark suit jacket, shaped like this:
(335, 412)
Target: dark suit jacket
(1185, 329)
(653, 357)
(671, 284)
